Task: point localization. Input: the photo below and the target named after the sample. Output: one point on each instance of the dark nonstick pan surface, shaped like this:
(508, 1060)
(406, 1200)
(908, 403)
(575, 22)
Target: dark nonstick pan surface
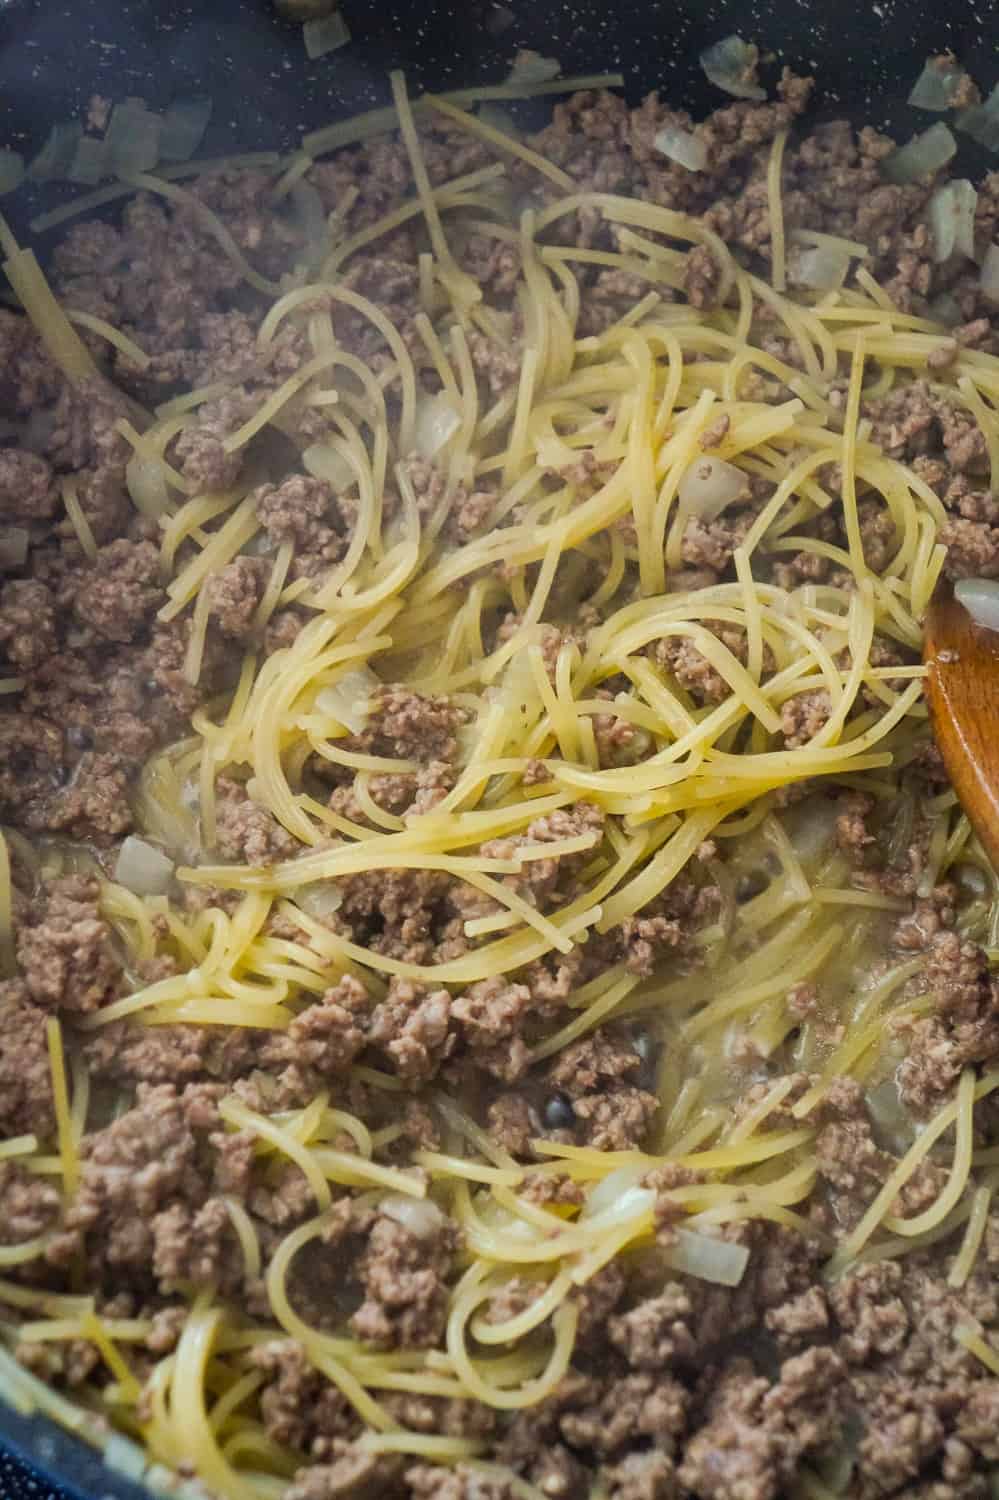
(54, 56)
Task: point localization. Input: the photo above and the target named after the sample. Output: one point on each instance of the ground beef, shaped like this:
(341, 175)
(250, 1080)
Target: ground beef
(803, 716)
(411, 1026)
(196, 1246)
(234, 594)
(245, 831)
(29, 1206)
(67, 950)
(401, 1274)
(133, 1171)
(93, 806)
(299, 1408)
(409, 726)
(25, 1074)
(120, 591)
(756, 1433)
(27, 492)
(204, 461)
(301, 511)
(354, 1474)
(965, 1028)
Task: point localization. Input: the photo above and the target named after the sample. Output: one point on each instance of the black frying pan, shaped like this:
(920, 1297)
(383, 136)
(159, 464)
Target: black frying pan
(54, 56)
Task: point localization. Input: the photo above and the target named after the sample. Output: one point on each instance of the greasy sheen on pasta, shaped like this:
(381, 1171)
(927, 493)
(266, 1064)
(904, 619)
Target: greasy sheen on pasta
(593, 452)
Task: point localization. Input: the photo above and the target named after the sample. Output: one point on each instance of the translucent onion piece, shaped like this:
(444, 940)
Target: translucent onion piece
(11, 170)
(981, 121)
(980, 597)
(730, 65)
(823, 267)
(142, 868)
(320, 899)
(710, 1259)
(437, 421)
(133, 138)
(324, 462)
(497, 118)
(709, 485)
(811, 829)
(90, 161)
(147, 486)
(325, 34)
(13, 547)
(945, 310)
(989, 274)
(680, 146)
(620, 1189)
(938, 85)
(123, 1456)
(531, 67)
(419, 1216)
(184, 126)
(952, 219)
(55, 156)
(311, 219)
(349, 700)
(922, 156)
(890, 1116)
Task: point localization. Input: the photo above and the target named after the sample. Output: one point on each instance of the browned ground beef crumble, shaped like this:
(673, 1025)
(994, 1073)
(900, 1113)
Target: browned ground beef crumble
(677, 1388)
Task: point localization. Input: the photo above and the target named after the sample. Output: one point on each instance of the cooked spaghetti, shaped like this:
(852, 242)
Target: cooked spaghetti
(495, 941)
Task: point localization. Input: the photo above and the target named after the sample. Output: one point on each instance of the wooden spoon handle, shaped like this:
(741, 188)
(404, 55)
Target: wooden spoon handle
(962, 689)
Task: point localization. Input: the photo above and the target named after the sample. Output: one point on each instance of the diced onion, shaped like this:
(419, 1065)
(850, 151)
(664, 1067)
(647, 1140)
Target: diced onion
(981, 121)
(945, 310)
(822, 267)
(952, 219)
(55, 156)
(11, 170)
(349, 700)
(531, 67)
(709, 485)
(142, 868)
(497, 118)
(184, 126)
(989, 275)
(730, 64)
(437, 421)
(324, 462)
(311, 218)
(709, 1258)
(980, 597)
(90, 161)
(420, 1216)
(938, 85)
(325, 34)
(680, 146)
(147, 486)
(922, 156)
(811, 827)
(122, 1456)
(893, 1120)
(13, 547)
(319, 899)
(620, 1189)
(133, 138)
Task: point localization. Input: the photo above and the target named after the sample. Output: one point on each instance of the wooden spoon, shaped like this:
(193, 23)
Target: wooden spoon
(962, 689)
